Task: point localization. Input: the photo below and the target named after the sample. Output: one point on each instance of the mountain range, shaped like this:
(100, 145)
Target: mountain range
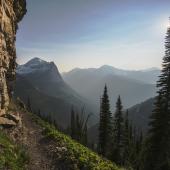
(41, 83)
(53, 94)
(133, 86)
(149, 76)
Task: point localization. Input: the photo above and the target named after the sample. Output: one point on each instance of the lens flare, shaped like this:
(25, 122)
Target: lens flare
(168, 23)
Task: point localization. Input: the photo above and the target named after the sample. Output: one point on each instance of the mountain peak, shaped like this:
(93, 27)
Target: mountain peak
(35, 61)
(34, 65)
(107, 67)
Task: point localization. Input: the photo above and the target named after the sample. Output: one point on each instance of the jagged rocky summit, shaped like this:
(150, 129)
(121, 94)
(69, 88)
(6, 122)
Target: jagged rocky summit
(11, 13)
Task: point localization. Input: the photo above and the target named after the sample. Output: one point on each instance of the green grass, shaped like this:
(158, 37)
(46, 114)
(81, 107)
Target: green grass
(12, 157)
(83, 157)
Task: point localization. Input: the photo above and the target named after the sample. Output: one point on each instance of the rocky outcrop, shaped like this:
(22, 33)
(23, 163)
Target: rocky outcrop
(11, 12)
(6, 123)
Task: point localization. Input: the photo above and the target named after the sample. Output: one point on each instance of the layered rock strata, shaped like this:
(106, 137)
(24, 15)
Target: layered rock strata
(11, 13)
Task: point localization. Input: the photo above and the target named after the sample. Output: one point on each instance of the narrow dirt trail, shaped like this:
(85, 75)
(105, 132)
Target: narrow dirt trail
(36, 148)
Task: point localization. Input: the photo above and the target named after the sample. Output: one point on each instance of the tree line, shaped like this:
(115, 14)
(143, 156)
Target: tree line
(78, 126)
(156, 153)
(118, 143)
(118, 140)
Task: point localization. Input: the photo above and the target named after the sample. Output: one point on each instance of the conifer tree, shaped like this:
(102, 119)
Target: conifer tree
(157, 149)
(78, 127)
(132, 148)
(138, 150)
(118, 131)
(105, 125)
(73, 123)
(126, 141)
(85, 138)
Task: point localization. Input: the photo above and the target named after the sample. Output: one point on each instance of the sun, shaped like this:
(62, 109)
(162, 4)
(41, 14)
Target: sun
(165, 24)
(161, 25)
(168, 23)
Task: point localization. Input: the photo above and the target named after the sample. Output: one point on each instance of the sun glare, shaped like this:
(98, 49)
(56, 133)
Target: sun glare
(168, 24)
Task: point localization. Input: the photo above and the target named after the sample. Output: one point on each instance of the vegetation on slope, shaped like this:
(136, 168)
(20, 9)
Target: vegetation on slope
(12, 157)
(83, 157)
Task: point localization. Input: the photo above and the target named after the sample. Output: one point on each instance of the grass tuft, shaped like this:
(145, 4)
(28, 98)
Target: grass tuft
(12, 156)
(83, 157)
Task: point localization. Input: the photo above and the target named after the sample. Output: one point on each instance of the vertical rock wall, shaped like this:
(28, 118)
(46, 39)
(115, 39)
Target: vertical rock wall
(11, 12)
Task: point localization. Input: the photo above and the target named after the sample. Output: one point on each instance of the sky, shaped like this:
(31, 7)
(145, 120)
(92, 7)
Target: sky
(125, 34)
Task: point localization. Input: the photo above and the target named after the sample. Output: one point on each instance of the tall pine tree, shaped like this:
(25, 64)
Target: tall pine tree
(157, 149)
(118, 133)
(126, 141)
(105, 125)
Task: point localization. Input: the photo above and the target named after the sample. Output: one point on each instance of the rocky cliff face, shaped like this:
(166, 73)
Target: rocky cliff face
(11, 12)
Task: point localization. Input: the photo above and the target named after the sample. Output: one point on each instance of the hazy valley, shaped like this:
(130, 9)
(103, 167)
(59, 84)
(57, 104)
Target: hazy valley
(54, 94)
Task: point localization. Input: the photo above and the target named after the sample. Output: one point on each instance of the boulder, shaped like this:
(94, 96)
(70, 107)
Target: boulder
(13, 116)
(6, 123)
(2, 112)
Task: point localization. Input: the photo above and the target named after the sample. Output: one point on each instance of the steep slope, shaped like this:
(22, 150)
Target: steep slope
(58, 108)
(140, 113)
(41, 82)
(132, 91)
(45, 77)
(48, 149)
(12, 156)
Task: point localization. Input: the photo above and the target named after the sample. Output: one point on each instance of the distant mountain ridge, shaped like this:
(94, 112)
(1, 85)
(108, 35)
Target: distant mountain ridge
(42, 83)
(53, 94)
(133, 86)
(149, 76)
